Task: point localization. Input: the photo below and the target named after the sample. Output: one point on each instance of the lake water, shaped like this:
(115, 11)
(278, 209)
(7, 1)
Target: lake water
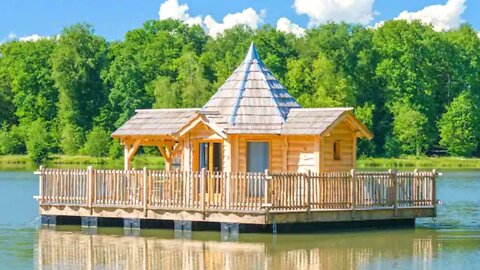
(452, 241)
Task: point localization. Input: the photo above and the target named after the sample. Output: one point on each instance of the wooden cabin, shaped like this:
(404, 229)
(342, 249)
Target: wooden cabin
(250, 155)
(250, 124)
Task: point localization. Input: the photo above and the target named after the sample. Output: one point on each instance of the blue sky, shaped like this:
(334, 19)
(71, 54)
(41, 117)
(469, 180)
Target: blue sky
(113, 18)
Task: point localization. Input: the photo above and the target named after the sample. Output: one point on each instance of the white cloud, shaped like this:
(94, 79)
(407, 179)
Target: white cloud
(247, 17)
(33, 38)
(322, 11)
(442, 17)
(171, 9)
(287, 26)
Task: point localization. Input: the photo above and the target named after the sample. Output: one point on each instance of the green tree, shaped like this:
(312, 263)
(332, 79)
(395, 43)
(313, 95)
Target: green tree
(77, 62)
(98, 143)
(126, 85)
(166, 93)
(463, 56)
(35, 95)
(331, 88)
(460, 125)
(410, 60)
(116, 149)
(12, 140)
(392, 147)
(365, 115)
(38, 141)
(298, 79)
(7, 108)
(71, 138)
(194, 88)
(410, 129)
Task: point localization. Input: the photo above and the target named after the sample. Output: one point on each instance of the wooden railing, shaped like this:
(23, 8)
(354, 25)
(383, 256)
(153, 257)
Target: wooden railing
(225, 191)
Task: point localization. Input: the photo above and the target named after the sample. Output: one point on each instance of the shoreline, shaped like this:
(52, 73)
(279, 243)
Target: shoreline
(22, 162)
(421, 163)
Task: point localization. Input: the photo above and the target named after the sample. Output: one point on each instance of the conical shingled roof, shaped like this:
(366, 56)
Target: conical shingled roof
(252, 100)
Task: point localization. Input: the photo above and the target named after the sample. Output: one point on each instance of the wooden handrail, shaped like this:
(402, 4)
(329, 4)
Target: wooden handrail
(235, 191)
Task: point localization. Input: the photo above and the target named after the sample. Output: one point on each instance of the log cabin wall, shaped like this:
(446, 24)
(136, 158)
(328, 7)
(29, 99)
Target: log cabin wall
(346, 139)
(301, 154)
(293, 153)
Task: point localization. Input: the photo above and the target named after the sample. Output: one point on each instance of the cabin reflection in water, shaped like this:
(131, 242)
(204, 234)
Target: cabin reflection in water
(76, 250)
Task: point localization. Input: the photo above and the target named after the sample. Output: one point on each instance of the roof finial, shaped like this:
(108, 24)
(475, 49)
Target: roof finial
(252, 53)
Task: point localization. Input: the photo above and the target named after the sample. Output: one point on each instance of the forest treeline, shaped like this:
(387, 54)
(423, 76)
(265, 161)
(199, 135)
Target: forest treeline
(415, 88)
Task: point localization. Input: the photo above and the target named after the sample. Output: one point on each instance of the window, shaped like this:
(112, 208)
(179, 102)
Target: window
(336, 150)
(258, 160)
(258, 156)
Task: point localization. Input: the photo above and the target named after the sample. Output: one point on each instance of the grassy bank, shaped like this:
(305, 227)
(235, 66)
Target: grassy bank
(22, 162)
(420, 163)
(11, 162)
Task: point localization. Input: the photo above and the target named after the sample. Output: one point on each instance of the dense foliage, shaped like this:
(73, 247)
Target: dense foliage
(415, 88)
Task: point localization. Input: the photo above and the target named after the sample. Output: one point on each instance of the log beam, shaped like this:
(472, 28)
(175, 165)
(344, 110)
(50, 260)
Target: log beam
(129, 153)
(169, 150)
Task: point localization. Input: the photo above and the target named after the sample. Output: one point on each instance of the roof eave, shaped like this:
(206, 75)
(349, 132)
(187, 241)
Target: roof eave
(361, 130)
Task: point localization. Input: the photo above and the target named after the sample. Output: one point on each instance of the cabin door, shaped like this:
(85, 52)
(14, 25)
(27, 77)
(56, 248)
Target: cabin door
(210, 159)
(210, 156)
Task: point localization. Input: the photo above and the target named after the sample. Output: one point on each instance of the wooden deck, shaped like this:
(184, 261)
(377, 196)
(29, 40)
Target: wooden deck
(248, 198)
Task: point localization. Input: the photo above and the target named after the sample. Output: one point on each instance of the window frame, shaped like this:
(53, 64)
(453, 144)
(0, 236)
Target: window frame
(337, 150)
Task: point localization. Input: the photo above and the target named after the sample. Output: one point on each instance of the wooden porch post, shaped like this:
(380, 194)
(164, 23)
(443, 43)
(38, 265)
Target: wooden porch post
(309, 190)
(203, 176)
(267, 178)
(90, 188)
(145, 191)
(228, 192)
(395, 190)
(353, 189)
(40, 185)
(126, 160)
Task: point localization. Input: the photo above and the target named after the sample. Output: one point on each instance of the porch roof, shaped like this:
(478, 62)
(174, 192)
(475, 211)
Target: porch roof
(155, 122)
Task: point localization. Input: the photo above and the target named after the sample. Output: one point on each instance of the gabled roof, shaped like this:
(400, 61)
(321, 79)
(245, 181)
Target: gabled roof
(318, 121)
(213, 120)
(155, 122)
(252, 99)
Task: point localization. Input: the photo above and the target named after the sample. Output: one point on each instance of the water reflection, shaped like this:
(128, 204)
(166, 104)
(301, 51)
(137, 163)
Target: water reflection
(157, 249)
